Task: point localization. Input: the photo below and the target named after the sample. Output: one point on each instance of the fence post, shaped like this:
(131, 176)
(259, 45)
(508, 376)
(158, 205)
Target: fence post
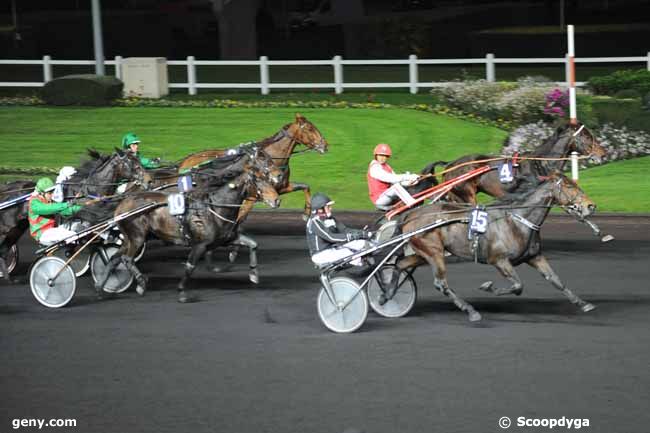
(489, 68)
(47, 69)
(338, 74)
(567, 69)
(264, 75)
(413, 73)
(118, 67)
(648, 60)
(574, 165)
(191, 75)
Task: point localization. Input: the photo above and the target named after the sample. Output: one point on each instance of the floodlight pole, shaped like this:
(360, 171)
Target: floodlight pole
(97, 38)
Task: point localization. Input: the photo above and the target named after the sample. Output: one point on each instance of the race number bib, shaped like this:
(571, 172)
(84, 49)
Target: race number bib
(505, 172)
(478, 221)
(185, 183)
(176, 203)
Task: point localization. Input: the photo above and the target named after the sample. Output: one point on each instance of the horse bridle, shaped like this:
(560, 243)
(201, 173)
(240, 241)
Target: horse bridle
(320, 146)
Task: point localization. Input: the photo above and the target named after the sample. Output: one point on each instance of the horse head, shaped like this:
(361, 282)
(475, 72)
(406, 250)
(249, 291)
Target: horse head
(127, 166)
(304, 132)
(585, 142)
(263, 164)
(570, 196)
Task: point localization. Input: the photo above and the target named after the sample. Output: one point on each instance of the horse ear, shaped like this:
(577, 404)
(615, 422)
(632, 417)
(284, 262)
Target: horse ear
(300, 117)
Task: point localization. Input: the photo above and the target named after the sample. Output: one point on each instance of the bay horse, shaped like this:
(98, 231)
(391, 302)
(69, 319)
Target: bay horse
(208, 222)
(512, 238)
(279, 147)
(566, 139)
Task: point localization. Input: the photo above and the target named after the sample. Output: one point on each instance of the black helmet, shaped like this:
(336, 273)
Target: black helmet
(319, 201)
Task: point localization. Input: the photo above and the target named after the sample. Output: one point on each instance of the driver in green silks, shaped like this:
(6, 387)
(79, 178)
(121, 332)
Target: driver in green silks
(130, 143)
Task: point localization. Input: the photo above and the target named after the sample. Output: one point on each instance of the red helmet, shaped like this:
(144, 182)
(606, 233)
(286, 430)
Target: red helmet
(383, 149)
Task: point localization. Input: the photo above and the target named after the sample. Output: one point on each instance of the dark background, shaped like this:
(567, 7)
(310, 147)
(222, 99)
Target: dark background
(320, 29)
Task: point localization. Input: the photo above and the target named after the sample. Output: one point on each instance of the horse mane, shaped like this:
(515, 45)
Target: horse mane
(87, 167)
(547, 144)
(527, 187)
(275, 137)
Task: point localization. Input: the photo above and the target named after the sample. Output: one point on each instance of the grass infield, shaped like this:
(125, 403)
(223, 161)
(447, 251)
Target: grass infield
(52, 137)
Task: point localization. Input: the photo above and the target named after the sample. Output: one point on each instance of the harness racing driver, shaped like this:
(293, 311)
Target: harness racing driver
(385, 187)
(130, 143)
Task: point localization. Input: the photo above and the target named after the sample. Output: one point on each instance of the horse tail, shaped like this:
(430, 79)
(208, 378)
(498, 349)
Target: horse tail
(431, 168)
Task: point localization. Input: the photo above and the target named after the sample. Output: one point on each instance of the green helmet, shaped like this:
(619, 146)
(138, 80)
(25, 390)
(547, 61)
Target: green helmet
(129, 139)
(44, 184)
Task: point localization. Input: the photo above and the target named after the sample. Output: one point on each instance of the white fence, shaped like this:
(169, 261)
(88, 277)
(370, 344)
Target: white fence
(337, 63)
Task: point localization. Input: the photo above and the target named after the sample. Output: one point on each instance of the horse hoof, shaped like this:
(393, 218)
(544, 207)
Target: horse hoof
(382, 299)
(140, 290)
(486, 286)
(305, 217)
(587, 307)
(182, 297)
(474, 316)
(232, 256)
(518, 292)
(254, 278)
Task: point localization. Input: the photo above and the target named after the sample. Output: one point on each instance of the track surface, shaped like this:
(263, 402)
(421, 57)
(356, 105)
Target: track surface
(257, 359)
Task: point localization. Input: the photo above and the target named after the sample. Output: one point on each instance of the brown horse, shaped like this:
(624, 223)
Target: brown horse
(566, 139)
(279, 147)
(208, 221)
(512, 237)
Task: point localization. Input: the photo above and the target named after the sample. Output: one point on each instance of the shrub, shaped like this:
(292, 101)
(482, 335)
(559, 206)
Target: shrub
(86, 89)
(646, 101)
(638, 80)
(627, 94)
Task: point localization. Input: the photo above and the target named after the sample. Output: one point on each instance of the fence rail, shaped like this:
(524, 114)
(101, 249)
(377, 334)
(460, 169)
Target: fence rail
(337, 63)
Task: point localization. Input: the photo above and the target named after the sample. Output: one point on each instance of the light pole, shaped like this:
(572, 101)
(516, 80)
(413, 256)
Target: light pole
(97, 38)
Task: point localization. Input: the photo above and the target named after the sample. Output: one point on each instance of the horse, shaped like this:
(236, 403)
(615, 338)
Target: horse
(101, 175)
(566, 139)
(200, 225)
(511, 238)
(279, 147)
(13, 219)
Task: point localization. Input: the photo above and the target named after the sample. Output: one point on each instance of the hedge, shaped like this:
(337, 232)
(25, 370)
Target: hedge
(85, 89)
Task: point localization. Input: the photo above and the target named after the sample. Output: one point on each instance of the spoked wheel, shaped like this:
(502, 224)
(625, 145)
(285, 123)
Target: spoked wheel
(49, 291)
(11, 259)
(403, 300)
(80, 264)
(119, 280)
(333, 315)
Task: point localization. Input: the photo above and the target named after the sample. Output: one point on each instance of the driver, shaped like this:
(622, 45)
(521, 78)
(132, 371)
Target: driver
(130, 143)
(385, 188)
(328, 239)
(41, 209)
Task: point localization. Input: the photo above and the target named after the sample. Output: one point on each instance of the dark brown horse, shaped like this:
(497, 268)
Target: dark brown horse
(97, 176)
(512, 237)
(279, 147)
(209, 220)
(13, 219)
(566, 139)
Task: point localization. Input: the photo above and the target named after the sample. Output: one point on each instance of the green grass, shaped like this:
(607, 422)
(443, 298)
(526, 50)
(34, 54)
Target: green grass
(35, 136)
(622, 186)
(52, 137)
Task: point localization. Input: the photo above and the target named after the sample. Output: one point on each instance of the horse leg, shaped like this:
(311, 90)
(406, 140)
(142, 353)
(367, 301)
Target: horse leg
(110, 267)
(299, 187)
(389, 288)
(246, 241)
(436, 259)
(209, 259)
(508, 271)
(197, 252)
(541, 264)
(4, 270)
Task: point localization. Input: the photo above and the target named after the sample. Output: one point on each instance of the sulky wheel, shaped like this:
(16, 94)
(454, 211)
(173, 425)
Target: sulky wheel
(48, 290)
(402, 301)
(119, 280)
(11, 259)
(80, 264)
(347, 319)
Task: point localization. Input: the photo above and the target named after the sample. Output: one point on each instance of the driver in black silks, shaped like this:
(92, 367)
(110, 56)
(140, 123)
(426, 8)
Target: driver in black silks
(328, 239)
